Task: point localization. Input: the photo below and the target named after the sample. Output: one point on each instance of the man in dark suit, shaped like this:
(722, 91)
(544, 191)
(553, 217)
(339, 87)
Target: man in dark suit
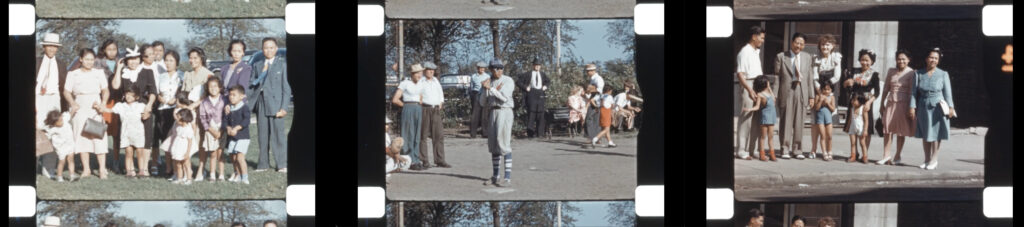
(50, 76)
(534, 85)
(271, 94)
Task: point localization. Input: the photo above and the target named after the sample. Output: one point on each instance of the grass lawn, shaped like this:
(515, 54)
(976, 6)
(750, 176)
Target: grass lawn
(159, 8)
(262, 185)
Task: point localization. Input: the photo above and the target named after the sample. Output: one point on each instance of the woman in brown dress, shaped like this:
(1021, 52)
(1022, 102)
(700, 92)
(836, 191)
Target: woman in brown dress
(895, 104)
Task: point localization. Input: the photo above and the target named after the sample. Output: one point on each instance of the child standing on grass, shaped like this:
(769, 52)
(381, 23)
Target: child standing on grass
(182, 106)
(766, 104)
(59, 132)
(183, 140)
(210, 115)
(236, 125)
(606, 102)
(130, 112)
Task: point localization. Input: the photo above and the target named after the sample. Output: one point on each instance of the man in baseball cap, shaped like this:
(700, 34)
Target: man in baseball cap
(478, 115)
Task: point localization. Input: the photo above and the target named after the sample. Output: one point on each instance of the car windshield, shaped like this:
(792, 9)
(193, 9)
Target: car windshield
(450, 79)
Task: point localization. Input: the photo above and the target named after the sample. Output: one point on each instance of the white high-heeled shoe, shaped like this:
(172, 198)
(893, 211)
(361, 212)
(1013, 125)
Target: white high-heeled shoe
(932, 165)
(882, 162)
(924, 165)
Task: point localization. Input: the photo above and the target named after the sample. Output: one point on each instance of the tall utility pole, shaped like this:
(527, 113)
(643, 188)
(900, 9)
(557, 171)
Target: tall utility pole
(401, 51)
(559, 214)
(401, 210)
(558, 58)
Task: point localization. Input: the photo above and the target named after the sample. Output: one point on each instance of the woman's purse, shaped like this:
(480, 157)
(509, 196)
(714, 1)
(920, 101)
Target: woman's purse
(94, 127)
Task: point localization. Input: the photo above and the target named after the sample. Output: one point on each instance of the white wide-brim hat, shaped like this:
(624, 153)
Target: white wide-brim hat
(51, 39)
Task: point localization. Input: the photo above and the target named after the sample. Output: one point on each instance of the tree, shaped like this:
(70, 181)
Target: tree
(214, 35)
(621, 33)
(222, 213)
(537, 213)
(78, 34)
(79, 212)
(621, 213)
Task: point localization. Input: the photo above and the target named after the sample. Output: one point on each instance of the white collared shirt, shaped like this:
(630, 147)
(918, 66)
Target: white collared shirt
(607, 101)
(432, 94)
(48, 65)
(749, 61)
(536, 81)
(621, 101)
(597, 81)
(411, 91)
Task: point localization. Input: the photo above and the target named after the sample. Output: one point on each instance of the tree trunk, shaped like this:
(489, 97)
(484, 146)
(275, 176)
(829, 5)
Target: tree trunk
(495, 207)
(494, 40)
(401, 51)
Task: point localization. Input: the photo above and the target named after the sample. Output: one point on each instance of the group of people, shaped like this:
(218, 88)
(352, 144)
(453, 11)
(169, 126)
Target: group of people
(757, 220)
(914, 103)
(145, 102)
(492, 115)
(54, 221)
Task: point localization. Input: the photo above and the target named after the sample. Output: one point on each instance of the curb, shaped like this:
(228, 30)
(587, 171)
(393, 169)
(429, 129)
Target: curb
(760, 181)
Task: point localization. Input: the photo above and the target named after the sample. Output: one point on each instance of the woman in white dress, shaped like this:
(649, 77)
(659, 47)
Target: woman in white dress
(84, 88)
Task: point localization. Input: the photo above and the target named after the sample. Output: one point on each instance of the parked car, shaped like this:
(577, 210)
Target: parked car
(214, 66)
(458, 81)
(258, 56)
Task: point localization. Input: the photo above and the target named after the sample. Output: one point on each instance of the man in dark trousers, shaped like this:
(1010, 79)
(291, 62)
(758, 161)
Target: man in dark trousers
(534, 84)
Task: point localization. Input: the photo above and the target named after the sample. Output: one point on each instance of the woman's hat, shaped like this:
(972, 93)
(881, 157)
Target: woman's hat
(415, 68)
(50, 39)
(51, 221)
(132, 52)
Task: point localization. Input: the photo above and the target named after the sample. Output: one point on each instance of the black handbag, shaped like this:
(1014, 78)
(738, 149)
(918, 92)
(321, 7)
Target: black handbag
(94, 127)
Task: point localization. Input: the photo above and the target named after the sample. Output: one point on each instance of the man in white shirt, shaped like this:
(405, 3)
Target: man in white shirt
(591, 123)
(624, 111)
(480, 113)
(50, 76)
(534, 83)
(408, 97)
(433, 111)
(158, 50)
(748, 67)
(498, 99)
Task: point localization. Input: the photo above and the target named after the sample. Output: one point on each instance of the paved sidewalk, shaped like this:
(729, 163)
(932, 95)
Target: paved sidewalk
(558, 169)
(961, 164)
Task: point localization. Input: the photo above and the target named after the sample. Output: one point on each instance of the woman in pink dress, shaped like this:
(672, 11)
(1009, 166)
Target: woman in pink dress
(895, 104)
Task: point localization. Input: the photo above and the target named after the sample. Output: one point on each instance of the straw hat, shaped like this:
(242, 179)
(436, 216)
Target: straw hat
(50, 39)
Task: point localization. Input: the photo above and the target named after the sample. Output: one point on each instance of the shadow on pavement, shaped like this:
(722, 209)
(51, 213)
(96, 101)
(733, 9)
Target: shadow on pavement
(447, 174)
(906, 194)
(598, 152)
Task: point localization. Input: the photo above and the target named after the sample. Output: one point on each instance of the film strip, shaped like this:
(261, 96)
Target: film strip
(376, 203)
(292, 201)
(729, 198)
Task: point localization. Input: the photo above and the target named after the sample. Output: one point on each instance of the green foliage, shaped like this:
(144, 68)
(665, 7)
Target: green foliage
(223, 213)
(621, 213)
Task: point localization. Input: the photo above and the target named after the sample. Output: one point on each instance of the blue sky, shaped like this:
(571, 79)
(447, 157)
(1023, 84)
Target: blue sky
(592, 213)
(591, 43)
(152, 212)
